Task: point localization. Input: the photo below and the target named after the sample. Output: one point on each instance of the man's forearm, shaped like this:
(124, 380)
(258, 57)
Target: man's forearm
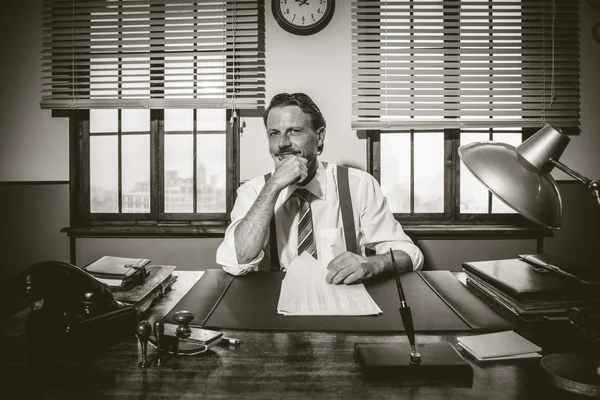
(252, 230)
(382, 263)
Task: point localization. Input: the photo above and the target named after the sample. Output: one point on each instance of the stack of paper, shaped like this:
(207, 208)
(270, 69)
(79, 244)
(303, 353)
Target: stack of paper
(499, 346)
(305, 292)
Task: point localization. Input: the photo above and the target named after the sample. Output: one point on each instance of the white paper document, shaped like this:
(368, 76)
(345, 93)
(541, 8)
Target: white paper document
(305, 292)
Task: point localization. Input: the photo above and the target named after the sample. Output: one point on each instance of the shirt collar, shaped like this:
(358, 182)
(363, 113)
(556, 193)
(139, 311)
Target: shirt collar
(317, 185)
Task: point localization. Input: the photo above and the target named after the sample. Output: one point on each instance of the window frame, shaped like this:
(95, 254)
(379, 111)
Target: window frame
(156, 222)
(451, 215)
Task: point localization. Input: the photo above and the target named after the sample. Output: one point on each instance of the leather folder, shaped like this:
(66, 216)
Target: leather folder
(523, 281)
(589, 275)
(438, 300)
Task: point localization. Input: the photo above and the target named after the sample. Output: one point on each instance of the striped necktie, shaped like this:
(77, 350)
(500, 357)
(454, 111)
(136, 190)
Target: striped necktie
(306, 239)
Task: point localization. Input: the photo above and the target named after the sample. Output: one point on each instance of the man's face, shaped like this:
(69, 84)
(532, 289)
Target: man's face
(291, 133)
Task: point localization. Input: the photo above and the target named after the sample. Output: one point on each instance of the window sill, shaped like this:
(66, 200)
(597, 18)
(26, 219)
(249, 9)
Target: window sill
(415, 231)
(167, 230)
(471, 231)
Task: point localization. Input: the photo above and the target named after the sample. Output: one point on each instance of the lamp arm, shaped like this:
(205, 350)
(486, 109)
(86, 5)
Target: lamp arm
(593, 184)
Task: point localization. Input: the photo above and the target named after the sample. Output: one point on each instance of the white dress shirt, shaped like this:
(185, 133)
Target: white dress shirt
(374, 223)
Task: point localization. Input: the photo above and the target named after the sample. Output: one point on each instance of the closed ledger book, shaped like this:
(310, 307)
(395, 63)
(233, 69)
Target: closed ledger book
(118, 272)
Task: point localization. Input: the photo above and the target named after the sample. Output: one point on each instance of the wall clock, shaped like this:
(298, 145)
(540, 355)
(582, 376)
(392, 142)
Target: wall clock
(303, 17)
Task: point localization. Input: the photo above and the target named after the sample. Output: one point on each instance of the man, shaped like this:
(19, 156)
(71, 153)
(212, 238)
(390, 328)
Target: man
(296, 130)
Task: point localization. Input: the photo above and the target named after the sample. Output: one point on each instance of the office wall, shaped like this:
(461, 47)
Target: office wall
(32, 216)
(582, 152)
(579, 236)
(188, 254)
(34, 146)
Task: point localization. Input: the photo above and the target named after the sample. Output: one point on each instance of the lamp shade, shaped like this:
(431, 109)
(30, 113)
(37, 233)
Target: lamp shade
(520, 176)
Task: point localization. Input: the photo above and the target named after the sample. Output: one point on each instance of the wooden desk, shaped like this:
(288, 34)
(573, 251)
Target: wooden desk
(268, 365)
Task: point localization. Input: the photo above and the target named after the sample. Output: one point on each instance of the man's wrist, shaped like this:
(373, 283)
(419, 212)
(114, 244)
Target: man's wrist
(382, 264)
(271, 189)
(377, 265)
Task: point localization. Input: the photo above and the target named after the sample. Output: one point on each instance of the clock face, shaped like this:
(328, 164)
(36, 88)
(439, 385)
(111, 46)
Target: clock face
(303, 17)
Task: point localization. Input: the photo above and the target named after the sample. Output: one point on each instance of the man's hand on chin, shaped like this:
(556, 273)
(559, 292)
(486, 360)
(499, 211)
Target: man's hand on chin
(350, 268)
(289, 169)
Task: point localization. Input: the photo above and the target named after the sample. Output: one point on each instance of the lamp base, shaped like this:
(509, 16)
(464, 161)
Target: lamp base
(574, 373)
(391, 361)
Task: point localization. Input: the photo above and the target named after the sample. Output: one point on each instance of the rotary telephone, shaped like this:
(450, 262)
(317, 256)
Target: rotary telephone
(72, 311)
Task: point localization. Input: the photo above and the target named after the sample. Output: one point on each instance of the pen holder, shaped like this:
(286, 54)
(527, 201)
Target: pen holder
(440, 362)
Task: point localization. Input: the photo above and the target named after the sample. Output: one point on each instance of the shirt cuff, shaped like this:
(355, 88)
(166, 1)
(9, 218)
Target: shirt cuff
(415, 254)
(241, 269)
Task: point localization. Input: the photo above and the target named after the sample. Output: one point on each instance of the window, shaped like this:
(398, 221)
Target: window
(429, 76)
(154, 90)
(192, 177)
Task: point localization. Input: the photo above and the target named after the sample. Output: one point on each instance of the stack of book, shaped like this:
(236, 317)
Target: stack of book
(533, 287)
(132, 280)
(157, 284)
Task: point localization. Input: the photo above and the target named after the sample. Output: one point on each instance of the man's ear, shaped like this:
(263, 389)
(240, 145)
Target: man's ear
(321, 137)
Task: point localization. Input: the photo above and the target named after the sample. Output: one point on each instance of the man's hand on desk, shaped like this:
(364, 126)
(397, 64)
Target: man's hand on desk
(351, 268)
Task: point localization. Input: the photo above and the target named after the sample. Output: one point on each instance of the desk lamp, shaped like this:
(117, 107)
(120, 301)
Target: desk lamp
(520, 177)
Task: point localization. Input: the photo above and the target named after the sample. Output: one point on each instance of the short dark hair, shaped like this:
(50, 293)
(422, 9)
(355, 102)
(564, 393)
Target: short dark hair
(301, 101)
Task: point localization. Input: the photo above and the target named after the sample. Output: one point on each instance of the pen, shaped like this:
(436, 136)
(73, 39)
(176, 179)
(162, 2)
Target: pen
(405, 313)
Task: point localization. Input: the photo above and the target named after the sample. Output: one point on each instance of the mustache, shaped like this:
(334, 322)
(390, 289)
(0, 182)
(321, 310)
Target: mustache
(287, 152)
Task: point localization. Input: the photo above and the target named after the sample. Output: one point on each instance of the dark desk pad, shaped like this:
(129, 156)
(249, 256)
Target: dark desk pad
(250, 302)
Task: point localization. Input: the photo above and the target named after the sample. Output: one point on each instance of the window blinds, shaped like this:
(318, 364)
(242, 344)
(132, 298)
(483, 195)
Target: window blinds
(151, 54)
(471, 63)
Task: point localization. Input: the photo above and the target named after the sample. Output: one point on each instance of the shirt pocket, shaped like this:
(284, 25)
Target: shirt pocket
(332, 244)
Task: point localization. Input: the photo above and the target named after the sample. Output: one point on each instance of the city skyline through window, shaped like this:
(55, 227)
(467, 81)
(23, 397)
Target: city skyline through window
(134, 154)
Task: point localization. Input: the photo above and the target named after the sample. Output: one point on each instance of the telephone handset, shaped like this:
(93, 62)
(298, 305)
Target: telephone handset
(77, 311)
(68, 292)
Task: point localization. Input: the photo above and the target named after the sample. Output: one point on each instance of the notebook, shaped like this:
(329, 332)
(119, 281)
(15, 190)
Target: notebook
(499, 346)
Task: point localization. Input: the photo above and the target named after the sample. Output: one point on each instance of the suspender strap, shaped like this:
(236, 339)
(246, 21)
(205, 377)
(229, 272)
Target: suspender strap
(273, 252)
(346, 208)
(347, 218)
